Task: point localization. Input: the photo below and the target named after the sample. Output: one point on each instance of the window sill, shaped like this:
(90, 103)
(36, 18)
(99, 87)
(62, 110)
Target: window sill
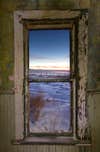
(51, 140)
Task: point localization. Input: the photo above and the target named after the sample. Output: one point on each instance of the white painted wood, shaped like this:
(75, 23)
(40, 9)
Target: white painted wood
(19, 57)
(19, 70)
(82, 116)
(19, 61)
(54, 14)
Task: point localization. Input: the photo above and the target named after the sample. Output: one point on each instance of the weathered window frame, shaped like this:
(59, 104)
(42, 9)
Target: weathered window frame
(24, 20)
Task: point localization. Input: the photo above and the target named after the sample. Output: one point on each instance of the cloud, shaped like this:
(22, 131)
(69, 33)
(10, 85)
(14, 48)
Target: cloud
(39, 57)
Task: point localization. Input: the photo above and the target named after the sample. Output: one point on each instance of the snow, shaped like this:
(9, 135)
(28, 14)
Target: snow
(49, 103)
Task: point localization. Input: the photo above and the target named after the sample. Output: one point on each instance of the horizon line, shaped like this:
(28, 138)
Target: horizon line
(51, 69)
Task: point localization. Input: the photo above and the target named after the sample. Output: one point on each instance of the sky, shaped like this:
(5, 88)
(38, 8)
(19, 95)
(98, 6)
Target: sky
(49, 49)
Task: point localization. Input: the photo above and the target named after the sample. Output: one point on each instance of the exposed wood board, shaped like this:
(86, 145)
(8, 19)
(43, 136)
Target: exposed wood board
(47, 14)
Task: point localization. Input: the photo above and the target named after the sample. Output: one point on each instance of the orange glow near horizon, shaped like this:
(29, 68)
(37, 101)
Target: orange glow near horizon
(49, 68)
(50, 65)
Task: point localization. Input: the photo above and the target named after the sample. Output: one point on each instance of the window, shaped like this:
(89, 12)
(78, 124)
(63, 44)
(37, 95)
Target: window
(49, 81)
(50, 100)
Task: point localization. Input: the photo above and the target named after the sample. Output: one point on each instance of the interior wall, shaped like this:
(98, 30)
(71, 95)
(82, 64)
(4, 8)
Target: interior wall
(7, 106)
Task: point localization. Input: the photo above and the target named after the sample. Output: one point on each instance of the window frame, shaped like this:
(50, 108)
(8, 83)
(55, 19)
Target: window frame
(23, 21)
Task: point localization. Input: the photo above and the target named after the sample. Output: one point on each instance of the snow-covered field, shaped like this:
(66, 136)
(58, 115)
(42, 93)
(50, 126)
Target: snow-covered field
(49, 107)
(42, 75)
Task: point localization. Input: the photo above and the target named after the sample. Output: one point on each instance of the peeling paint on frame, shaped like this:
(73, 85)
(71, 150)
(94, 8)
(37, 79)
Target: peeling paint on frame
(82, 58)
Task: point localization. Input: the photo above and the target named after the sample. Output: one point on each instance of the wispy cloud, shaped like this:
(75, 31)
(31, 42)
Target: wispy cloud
(39, 57)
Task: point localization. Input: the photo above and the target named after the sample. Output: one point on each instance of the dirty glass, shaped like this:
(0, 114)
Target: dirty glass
(49, 81)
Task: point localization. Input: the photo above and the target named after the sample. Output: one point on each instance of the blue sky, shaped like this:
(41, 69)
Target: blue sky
(49, 49)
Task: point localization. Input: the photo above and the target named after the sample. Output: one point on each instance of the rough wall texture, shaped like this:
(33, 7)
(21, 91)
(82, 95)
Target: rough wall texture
(7, 71)
(7, 7)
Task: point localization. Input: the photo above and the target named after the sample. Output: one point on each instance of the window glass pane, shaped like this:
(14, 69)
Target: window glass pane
(49, 86)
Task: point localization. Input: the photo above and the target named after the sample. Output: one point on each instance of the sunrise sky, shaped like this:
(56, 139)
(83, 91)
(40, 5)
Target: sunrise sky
(49, 49)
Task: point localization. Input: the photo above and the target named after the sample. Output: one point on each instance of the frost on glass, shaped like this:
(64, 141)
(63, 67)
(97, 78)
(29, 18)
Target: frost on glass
(49, 86)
